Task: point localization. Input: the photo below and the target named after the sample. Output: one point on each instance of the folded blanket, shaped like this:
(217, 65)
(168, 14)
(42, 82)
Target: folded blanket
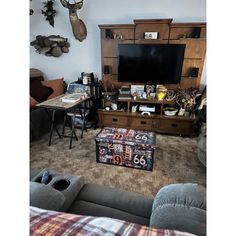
(52, 223)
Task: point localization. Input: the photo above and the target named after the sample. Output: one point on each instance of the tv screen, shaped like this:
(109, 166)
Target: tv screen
(150, 63)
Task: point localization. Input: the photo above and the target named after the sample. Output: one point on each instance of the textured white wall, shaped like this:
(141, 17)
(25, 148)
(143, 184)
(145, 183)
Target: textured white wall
(86, 56)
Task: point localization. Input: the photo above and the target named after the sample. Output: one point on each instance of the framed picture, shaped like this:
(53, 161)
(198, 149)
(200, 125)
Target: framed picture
(137, 90)
(150, 88)
(151, 35)
(76, 88)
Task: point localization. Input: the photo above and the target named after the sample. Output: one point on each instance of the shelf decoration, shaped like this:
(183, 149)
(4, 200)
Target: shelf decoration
(50, 12)
(53, 45)
(186, 100)
(161, 92)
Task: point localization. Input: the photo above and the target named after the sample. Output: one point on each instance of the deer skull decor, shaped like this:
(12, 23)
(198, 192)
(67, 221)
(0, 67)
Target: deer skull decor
(78, 26)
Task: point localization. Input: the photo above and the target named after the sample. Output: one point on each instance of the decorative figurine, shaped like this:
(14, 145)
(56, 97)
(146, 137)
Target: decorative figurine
(50, 12)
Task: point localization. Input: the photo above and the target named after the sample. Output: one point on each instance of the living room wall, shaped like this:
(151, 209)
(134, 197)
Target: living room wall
(85, 55)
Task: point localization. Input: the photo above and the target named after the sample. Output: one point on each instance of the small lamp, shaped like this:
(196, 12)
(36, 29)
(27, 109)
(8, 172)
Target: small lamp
(161, 92)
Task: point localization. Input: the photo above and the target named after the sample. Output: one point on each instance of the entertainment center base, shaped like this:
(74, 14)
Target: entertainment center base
(155, 123)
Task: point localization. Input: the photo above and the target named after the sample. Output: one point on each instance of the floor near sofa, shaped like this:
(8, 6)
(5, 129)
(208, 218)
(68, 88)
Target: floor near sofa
(175, 161)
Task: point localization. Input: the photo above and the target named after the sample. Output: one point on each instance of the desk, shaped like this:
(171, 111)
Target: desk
(56, 104)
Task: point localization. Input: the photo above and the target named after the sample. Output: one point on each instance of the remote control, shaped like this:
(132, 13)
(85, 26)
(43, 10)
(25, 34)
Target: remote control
(45, 177)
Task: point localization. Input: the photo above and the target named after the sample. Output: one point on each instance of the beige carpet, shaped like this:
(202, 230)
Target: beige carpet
(175, 161)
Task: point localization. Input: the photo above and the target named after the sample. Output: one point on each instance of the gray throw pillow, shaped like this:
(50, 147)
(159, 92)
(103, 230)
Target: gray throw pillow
(46, 197)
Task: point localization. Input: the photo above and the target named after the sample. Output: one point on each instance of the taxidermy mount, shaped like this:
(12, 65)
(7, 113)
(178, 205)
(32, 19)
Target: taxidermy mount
(78, 26)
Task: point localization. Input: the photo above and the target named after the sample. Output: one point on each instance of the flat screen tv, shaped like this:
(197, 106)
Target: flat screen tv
(150, 63)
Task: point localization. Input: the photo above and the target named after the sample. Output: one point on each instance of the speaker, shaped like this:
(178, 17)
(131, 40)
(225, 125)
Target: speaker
(108, 33)
(107, 69)
(193, 72)
(196, 32)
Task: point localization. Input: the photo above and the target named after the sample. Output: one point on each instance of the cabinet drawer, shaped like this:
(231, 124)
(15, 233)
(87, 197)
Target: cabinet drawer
(141, 123)
(114, 120)
(177, 127)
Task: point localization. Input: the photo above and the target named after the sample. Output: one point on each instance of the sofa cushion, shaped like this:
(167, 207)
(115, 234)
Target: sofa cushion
(56, 85)
(106, 201)
(33, 102)
(38, 91)
(45, 197)
(180, 207)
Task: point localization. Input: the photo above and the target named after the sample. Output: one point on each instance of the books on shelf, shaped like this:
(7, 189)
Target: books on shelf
(73, 97)
(124, 96)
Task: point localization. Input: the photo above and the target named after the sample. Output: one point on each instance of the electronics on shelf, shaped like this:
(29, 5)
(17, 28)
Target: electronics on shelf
(149, 108)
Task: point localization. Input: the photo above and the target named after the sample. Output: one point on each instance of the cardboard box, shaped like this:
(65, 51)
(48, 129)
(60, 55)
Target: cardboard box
(126, 147)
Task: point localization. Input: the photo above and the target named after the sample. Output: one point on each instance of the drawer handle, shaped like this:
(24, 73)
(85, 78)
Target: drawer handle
(143, 122)
(174, 125)
(115, 119)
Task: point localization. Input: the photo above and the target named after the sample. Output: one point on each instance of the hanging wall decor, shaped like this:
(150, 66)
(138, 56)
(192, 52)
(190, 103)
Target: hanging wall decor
(50, 12)
(78, 26)
(53, 45)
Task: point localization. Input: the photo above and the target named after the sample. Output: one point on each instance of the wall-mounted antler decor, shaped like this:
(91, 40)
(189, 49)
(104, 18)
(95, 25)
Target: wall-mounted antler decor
(50, 12)
(78, 26)
(53, 45)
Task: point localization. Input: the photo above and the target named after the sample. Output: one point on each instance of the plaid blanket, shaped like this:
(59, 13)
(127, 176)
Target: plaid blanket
(52, 223)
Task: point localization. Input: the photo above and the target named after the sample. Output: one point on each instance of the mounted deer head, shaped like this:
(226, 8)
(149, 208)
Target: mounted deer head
(78, 26)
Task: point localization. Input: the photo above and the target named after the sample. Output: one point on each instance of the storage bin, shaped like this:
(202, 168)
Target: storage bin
(126, 147)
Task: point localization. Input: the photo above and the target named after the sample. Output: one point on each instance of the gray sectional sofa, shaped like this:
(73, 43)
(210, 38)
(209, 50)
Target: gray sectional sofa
(176, 206)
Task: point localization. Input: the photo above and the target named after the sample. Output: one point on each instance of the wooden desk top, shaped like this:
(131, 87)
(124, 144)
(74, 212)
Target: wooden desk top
(56, 103)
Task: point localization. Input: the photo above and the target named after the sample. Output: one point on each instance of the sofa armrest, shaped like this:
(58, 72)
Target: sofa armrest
(180, 207)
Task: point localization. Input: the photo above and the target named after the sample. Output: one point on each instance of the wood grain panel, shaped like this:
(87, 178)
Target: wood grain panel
(110, 46)
(190, 63)
(112, 62)
(163, 30)
(195, 48)
(150, 41)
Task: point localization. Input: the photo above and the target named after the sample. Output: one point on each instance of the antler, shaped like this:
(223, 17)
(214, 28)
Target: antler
(74, 6)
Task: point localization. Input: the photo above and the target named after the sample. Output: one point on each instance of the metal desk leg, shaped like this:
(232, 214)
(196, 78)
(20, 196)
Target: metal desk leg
(52, 127)
(72, 130)
(64, 123)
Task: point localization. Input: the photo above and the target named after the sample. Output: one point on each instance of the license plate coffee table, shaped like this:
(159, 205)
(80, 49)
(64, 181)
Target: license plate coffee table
(126, 147)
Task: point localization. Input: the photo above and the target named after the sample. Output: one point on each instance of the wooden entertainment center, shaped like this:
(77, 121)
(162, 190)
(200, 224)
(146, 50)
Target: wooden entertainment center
(193, 35)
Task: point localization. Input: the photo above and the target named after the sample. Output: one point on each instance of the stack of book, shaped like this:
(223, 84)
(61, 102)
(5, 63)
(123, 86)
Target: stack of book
(124, 96)
(124, 93)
